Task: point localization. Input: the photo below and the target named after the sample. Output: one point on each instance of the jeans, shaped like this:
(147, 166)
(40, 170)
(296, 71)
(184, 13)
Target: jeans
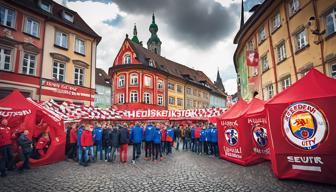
(85, 155)
(123, 152)
(149, 150)
(193, 146)
(72, 151)
(25, 164)
(91, 152)
(6, 158)
(163, 147)
(136, 150)
(178, 139)
(168, 147)
(113, 153)
(80, 153)
(157, 147)
(199, 146)
(108, 150)
(99, 148)
(215, 148)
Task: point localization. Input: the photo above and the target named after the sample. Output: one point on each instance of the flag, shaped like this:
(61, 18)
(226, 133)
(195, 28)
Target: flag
(252, 58)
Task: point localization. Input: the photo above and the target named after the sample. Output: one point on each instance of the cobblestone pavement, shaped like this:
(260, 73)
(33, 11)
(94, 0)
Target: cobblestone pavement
(182, 171)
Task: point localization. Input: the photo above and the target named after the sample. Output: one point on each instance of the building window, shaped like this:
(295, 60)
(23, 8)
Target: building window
(333, 71)
(189, 103)
(121, 98)
(195, 104)
(262, 34)
(58, 71)
(199, 93)
(127, 59)
(171, 86)
(80, 46)
(281, 51)
(148, 81)
(188, 91)
(264, 63)
(160, 100)
(134, 79)
(79, 76)
(61, 39)
(151, 63)
(301, 40)
(32, 27)
(304, 72)
(195, 92)
(286, 82)
(147, 98)
(171, 100)
(121, 81)
(29, 64)
(331, 22)
(67, 16)
(160, 84)
(179, 88)
(250, 45)
(179, 102)
(254, 71)
(276, 21)
(7, 17)
(269, 91)
(5, 59)
(45, 6)
(134, 97)
(294, 6)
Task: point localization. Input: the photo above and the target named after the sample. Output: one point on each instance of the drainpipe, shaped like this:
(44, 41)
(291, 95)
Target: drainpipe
(319, 36)
(41, 67)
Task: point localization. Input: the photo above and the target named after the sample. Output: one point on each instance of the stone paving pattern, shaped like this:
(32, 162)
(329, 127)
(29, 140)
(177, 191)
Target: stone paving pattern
(181, 171)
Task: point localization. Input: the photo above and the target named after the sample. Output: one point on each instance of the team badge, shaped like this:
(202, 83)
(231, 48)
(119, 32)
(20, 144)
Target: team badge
(231, 136)
(304, 125)
(260, 136)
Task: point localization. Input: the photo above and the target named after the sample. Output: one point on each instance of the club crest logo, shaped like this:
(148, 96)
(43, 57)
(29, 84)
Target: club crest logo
(304, 125)
(231, 136)
(260, 136)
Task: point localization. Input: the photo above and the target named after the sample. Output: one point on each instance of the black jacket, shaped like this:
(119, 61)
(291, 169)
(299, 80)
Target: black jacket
(124, 135)
(107, 139)
(115, 137)
(188, 133)
(25, 143)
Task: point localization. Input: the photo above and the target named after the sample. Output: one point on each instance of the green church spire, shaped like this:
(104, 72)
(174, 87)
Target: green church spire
(135, 35)
(154, 43)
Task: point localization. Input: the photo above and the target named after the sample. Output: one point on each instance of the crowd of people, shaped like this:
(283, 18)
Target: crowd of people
(91, 141)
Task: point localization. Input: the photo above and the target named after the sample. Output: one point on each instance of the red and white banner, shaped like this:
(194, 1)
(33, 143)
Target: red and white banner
(252, 58)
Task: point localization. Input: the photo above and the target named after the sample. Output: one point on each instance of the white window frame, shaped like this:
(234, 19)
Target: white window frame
(160, 100)
(293, 7)
(45, 6)
(331, 15)
(148, 81)
(68, 16)
(79, 76)
(5, 19)
(262, 34)
(133, 97)
(28, 61)
(254, 71)
(58, 73)
(147, 98)
(134, 78)
(286, 82)
(30, 29)
(333, 72)
(250, 45)
(121, 81)
(3, 56)
(63, 39)
(281, 51)
(269, 91)
(301, 40)
(171, 86)
(177, 102)
(276, 21)
(80, 46)
(264, 63)
(127, 58)
(121, 98)
(177, 88)
(151, 63)
(189, 91)
(170, 98)
(160, 84)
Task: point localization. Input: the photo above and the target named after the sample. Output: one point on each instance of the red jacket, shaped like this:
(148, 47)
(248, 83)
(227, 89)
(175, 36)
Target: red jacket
(42, 143)
(73, 135)
(5, 136)
(163, 135)
(86, 138)
(198, 132)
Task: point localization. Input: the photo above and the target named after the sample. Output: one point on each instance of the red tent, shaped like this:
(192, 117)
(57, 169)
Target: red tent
(302, 121)
(232, 140)
(259, 131)
(19, 110)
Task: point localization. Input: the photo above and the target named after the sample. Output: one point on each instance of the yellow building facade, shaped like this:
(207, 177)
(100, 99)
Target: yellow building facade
(290, 37)
(175, 98)
(196, 97)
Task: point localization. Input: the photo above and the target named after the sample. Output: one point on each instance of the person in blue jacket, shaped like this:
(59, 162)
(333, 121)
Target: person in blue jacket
(79, 134)
(207, 139)
(157, 143)
(97, 134)
(169, 139)
(136, 139)
(149, 136)
(214, 139)
(201, 149)
(193, 144)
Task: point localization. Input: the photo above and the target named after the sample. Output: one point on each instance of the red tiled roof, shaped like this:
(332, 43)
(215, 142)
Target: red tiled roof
(102, 78)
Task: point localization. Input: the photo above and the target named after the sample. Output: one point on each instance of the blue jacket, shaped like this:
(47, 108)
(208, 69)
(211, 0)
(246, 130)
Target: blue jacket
(193, 133)
(157, 136)
(202, 135)
(208, 134)
(136, 134)
(97, 134)
(79, 134)
(214, 135)
(149, 133)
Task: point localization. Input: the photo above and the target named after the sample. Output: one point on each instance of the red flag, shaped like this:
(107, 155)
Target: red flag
(252, 58)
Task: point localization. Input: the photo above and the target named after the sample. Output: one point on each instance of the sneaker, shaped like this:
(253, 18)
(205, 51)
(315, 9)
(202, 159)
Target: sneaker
(133, 162)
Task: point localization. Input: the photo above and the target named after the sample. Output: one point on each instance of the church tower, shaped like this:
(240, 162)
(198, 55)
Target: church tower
(218, 83)
(135, 35)
(154, 43)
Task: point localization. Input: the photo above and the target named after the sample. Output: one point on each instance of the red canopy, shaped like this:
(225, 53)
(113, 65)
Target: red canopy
(19, 110)
(236, 110)
(302, 121)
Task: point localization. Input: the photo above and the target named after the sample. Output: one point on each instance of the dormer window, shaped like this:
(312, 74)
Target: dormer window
(45, 6)
(68, 16)
(151, 63)
(127, 59)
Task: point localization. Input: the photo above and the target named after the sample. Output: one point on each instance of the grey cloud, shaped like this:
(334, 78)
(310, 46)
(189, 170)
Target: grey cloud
(228, 73)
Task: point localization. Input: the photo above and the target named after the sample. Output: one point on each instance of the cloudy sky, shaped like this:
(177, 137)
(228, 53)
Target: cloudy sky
(196, 33)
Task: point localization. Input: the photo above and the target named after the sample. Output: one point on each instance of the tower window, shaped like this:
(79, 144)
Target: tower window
(127, 59)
